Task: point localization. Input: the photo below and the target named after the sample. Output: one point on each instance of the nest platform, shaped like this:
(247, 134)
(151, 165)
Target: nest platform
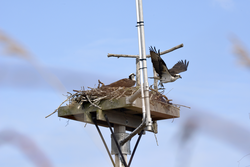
(113, 102)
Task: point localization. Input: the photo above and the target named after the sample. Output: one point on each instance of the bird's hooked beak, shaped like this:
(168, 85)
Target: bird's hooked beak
(180, 77)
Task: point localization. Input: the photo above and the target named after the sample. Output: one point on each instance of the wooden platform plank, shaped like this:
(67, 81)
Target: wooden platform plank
(118, 112)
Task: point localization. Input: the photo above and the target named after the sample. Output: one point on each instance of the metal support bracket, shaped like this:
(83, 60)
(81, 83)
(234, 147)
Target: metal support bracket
(133, 153)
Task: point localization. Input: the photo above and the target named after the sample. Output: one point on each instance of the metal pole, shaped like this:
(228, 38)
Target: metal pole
(120, 158)
(143, 65)
(138, 74)
(123, 157)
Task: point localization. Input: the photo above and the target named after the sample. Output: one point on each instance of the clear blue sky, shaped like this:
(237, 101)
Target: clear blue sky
(72, 39)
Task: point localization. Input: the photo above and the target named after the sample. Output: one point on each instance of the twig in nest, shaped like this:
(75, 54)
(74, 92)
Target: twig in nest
(114, 93)
(162, 90)
(80, 104)
(69, 93)
(99, 82)
(164, 103)
(97, 101)
(179, 105)
(92, 103)
(121, 94)
(94, 90)
(135, 91)
(169, 91)
(60, 105)
(151, 97)
(83, 89)
(154, 90)
(166, 98)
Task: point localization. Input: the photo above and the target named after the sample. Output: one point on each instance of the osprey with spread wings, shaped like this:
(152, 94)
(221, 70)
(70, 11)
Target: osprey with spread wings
(166, 75)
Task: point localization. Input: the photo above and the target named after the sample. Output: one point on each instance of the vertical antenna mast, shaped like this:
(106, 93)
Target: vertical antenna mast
(143, 65)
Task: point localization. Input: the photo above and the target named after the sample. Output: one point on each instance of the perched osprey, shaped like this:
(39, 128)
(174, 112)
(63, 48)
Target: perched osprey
(166, 75)
(126, 82)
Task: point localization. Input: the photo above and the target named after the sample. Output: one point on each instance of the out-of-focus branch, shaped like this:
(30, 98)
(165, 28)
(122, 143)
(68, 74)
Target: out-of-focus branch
(241, 52)
(26, 145)
(206, 123)
(12, 48)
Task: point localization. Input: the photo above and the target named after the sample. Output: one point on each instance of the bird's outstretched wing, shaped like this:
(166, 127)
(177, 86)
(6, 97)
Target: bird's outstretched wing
(158, 64)
(179, 67)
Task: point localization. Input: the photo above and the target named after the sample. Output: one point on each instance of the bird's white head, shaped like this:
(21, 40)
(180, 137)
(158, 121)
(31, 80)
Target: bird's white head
(177, 76)
(132, 76)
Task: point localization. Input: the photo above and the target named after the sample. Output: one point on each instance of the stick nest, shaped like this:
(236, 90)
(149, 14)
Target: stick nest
(95, 95)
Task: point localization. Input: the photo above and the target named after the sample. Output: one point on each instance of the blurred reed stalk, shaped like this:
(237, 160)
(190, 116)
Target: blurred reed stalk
(12, 48)
(241, 52)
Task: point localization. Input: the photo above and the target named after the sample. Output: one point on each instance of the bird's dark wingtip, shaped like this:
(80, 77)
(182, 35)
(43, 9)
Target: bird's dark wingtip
(153, 49)
(187, 63)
